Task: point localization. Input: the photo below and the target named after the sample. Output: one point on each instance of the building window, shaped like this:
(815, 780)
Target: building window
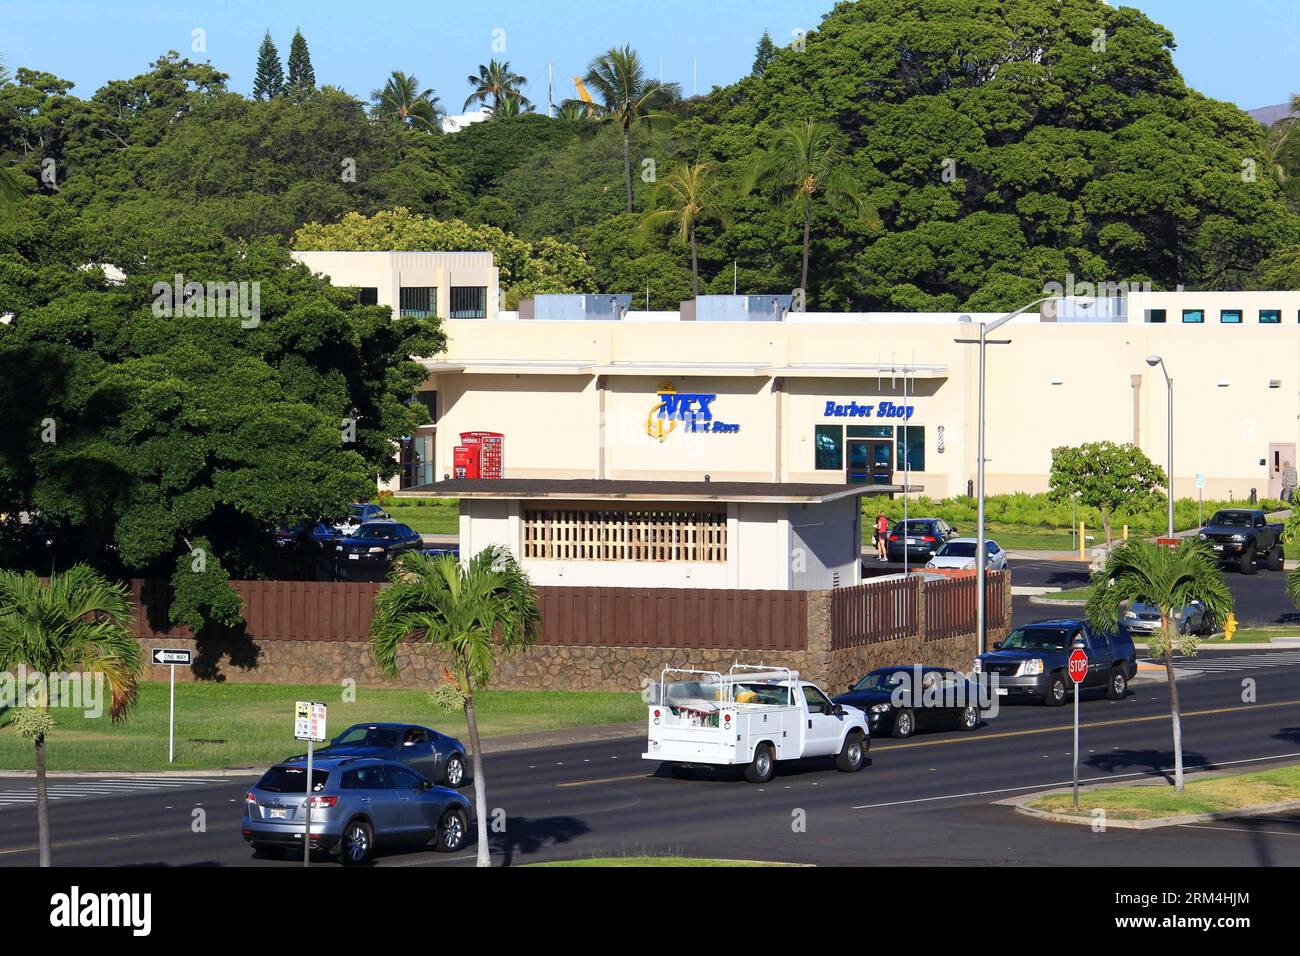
(367, 296)
(911, 447)
(419, 303)
(1230, 317)
(829, 450)
(1193, 316)
(430, 402)
(1270, 316)
(871, 431)
(1156, 316)
(468, 302)
(626, 536)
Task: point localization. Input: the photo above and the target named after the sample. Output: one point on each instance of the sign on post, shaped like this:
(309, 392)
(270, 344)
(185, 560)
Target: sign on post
(172, 658)
(308, 725)
(1078, 670)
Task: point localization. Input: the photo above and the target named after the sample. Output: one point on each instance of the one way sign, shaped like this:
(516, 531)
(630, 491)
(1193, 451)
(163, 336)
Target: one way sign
(163, 656)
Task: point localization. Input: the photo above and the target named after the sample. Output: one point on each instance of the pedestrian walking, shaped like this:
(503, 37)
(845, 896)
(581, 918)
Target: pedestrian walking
(882, 531)
(1288, 481)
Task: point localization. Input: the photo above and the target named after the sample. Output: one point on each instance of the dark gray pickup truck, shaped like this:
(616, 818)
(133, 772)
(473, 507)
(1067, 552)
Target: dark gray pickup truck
(1241, 537)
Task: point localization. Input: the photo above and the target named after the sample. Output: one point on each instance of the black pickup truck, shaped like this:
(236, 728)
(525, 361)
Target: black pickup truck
(1242, 536)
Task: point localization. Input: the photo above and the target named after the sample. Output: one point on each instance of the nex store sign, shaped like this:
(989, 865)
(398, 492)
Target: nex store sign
(883, 410)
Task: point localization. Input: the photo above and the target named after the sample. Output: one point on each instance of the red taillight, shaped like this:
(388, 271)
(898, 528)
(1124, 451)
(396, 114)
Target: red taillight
(893, 537)
(929, 539)
(323, 803)
(657, 714)
(249, 798)
(727, 718)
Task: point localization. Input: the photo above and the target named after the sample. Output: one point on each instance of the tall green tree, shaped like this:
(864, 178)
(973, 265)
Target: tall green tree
(512, 106)
(1170, 579)
(302, 77)
(1108, 477)
(493, 84)
(10, 191)
(806, 162)
(402, 101)
(76, 623)
(269, 81)
(691, 193)
(473, 614)
(765, 54)
(628, 96)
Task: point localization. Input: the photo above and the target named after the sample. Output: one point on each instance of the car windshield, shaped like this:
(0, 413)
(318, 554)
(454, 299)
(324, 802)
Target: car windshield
(383, 532)
(367, 737)
(880, 680)
(1040, 639)
(914, 527)
(1233, 519)
(358, 512)
(292, 780)
(958, 549)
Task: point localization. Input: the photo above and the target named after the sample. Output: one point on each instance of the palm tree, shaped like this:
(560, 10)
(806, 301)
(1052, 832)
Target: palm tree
(1278, 142)
(1142, 572)
(511, 106)
(473, 613)
(804, 162)
(78, 623)
(495, 82)
(628, 96)
(694, 194)
(402, 100)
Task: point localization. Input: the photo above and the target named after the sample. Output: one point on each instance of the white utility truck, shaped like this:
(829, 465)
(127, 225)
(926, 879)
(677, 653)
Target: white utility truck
(752, 716)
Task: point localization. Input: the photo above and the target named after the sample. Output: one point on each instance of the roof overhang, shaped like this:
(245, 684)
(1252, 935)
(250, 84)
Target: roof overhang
(858, 371)
(528, 367)
(541, 489)
(685, 369)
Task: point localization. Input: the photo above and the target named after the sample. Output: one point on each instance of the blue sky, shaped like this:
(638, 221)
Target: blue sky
(1243, 51)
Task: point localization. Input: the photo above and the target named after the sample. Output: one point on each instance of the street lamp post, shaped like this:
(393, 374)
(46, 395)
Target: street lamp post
(1154, 361)
(981, 548)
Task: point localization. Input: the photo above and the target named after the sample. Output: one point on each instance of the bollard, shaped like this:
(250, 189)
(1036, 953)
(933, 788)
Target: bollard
(1083, 544)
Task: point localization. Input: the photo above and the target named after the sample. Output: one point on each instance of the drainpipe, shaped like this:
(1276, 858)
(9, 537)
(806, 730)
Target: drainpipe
(1137, 410)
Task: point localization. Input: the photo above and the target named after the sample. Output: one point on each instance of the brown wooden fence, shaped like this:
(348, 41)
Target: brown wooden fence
(950, 606)
(871, 613)
(686, 618)
(572, 617)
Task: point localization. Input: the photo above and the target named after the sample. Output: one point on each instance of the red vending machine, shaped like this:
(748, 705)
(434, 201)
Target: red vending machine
(487, 449)
(466, 461)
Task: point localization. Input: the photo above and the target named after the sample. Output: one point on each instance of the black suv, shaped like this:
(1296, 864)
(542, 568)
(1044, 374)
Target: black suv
(1032, 661)
(920, 538)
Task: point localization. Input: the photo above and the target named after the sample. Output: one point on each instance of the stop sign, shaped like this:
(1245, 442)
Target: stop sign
(1078, 666)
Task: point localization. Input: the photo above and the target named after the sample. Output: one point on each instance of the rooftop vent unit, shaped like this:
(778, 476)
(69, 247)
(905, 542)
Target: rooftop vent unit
(575, 308)
(737, 308)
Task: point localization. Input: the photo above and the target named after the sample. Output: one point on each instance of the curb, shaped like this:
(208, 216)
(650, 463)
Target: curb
(1019, 805)
(508, 743)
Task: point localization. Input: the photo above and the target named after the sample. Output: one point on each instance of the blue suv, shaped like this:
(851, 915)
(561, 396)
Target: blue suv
(358, 803)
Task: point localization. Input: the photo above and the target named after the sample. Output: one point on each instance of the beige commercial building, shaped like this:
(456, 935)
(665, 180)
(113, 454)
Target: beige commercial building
(742, 390)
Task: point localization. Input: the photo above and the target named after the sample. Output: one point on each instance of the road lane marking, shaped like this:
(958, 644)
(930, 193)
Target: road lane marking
(1285, 833)
(1066, 783)
(115, 838)
(1002, 736)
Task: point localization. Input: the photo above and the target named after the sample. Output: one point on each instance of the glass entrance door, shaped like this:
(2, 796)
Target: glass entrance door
(870, 462)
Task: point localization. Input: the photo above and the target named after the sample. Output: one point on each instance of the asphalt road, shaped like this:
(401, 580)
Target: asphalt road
(928, 800)
(1261, 599)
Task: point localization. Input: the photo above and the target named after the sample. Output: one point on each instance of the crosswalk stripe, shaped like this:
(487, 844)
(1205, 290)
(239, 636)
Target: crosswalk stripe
(1246, 661)
(98, 788)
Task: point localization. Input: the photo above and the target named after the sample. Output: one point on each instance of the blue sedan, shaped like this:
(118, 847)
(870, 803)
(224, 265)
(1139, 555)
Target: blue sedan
(436, 756)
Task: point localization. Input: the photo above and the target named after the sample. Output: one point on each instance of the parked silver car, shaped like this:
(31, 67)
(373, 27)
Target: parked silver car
(1145, 619)
(358, 803)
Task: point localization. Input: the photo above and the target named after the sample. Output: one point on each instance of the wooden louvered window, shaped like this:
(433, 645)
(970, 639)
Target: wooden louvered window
(653, 536)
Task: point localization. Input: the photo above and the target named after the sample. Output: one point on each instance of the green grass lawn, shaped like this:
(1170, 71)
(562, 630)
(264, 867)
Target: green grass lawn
(239, 725)
(1256, 635)
(1209, 795)
(432, 516)
(654, 861)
